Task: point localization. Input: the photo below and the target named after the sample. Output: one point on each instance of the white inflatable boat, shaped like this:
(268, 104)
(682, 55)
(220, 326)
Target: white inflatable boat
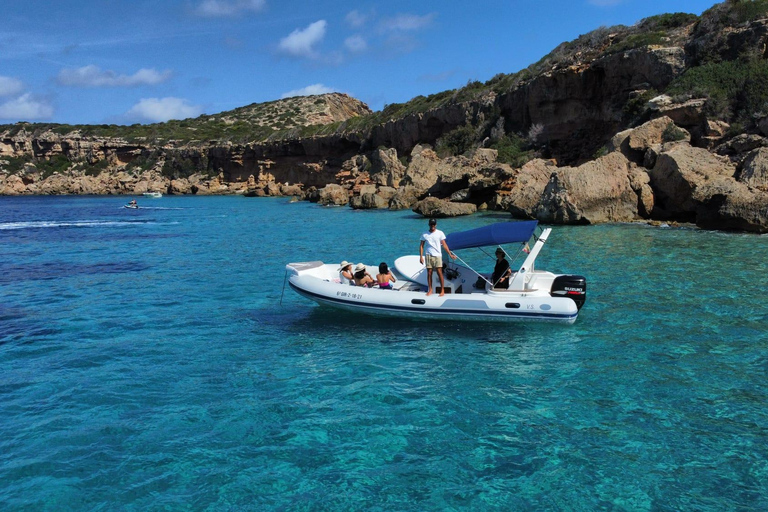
(468, 295)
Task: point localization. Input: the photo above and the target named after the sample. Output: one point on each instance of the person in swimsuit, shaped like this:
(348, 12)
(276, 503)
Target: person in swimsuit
(362, 277)
(385, 277)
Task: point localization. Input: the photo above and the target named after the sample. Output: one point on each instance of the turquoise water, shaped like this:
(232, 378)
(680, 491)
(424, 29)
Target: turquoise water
(151, 360)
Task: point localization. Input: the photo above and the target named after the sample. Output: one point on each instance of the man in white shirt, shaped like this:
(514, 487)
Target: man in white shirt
(434, 239)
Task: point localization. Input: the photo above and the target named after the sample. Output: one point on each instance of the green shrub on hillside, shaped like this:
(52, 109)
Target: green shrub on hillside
(179, 166)
(636, 106)
(736, 89)
(143, 162)
(672, 133)
(456, 142)
(14, 165)
(56, 165)
(748, 10)
(502, 83)
(638, 41)
(667, 21)
(96, 168)
(512, 150)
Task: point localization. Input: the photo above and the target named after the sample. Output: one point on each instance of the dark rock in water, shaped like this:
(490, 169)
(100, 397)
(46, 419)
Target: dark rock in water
(438, 208)
(333, 195)
(368, 201)
(404, 199)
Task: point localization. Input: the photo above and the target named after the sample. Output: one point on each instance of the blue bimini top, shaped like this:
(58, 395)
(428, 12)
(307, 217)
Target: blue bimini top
(495, 234)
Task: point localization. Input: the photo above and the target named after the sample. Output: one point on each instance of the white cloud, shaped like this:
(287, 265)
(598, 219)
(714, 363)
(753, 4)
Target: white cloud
(356, 19)
(162, 109)
(300, 43)
(10, 86)
(224, 8)
(309, 90)
(25, 107)
(406, 22)
(93, 76)
(355, 44)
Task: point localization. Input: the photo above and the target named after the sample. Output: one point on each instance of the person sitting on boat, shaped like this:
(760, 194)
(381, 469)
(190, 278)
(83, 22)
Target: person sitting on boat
(133, 203)
(385, 277)
(362, 277)
(501, 271)
(345, 272)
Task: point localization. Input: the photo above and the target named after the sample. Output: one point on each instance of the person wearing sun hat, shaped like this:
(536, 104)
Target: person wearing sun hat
(345, 272)
(362, 277)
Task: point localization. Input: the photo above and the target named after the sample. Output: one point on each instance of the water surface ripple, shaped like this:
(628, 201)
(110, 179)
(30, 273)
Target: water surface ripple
(153, 359)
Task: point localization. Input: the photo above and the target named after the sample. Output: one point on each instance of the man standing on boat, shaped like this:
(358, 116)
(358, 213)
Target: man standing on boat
(434, 239)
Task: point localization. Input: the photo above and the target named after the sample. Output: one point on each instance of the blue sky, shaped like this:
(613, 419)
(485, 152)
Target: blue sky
(139, 61)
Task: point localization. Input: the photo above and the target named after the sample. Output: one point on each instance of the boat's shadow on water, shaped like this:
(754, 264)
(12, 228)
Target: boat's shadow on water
(319, 322)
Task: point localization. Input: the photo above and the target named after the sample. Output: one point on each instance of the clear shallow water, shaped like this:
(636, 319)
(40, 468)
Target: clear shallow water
(147, 363)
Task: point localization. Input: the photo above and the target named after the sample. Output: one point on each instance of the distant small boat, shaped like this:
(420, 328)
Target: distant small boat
(152, 194)
(131, 206)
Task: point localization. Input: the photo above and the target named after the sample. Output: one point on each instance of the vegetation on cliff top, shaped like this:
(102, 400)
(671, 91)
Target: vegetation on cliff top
(253, 122)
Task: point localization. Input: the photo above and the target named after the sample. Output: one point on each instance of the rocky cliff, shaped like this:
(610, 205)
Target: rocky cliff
(612, 127)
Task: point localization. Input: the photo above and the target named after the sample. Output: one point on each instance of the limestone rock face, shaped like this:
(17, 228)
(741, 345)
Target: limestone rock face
(527, 187)
(641, 144)
(487, 178)
(404, 198)
(709, 40)
(368, 201)
(12, 185)
(742, 143)
(687, 113)
(292, 190)
(754, 169)
(598, 191)
(180, 186)
(372, 197)
(640, 182)
(485, 156)
(438, 208)
(386, 169)
(273, 189)
(333, 194)
(725, 203)
(679, 176)
(337, 107)
(422, 172)
(564, 101)
(386, 192)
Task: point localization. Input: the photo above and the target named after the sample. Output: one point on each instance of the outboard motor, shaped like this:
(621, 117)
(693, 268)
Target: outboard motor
(573, 287)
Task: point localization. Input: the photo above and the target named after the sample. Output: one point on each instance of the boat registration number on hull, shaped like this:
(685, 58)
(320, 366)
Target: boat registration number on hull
(349, 295)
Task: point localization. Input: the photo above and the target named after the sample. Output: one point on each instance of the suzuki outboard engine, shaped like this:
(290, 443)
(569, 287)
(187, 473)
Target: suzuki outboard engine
(573, 287)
